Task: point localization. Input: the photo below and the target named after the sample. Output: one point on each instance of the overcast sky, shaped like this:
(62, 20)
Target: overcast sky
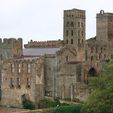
(43, 19)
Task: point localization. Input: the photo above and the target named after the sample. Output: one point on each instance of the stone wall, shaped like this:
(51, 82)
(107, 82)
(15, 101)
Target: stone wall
(10, 48)
(50, 74)
(22, 79)
(44, 44)
(67, 80)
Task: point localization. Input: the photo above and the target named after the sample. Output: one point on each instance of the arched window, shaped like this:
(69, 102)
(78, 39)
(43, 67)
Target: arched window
(78, 32)
(71, 32)
(82, 41)
(12, 68)
(82, 33)
(72, 24)
(67, 41)
(28, 75)
(19, 74)
(67, 32)
(92, 72)
(67, 24)
(66, 58)
(91, 58)
(78, 24)
(78, 41)
(71, 41)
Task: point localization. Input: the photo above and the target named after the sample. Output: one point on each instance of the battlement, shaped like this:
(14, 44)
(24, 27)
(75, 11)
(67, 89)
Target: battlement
(105, 14)
(74, 13)
(10, 42)
(44, 44)
(10, 47)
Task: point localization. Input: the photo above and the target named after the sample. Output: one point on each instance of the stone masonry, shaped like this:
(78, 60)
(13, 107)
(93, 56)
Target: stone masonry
(60, 68)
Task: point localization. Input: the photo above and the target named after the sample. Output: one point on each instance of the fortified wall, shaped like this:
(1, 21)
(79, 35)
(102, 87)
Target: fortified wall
(44, 44)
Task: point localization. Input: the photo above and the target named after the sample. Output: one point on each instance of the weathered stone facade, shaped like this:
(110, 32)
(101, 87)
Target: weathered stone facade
(55, 68)
(22, 77)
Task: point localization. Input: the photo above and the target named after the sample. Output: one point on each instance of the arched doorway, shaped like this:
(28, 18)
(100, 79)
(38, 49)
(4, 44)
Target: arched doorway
(92, 72)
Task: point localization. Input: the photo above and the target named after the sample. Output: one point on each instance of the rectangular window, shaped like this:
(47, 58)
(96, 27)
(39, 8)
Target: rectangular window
(19, 73)
(11, 83)
(78, 24)
(28, 75)
(12, 68)
(71, 32)
(78, 32)
(29, 68)
(67, 33)
(71, 41)
(19, 70)
(82, 33)
(18, 82)
(82, 25)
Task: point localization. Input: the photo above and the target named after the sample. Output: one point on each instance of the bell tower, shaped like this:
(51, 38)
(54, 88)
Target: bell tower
(74, 31)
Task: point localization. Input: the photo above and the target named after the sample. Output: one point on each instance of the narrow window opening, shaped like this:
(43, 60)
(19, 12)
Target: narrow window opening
(71, 41)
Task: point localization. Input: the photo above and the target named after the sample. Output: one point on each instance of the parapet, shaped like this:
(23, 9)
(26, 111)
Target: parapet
(74, 13)
(44, 44)
(10, 42)
(105, 14)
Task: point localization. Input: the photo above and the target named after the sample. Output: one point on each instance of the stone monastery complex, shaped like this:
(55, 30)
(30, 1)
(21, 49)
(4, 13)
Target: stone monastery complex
(60, 68)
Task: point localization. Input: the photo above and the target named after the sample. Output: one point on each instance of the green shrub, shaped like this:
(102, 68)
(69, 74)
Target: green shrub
(46, 103)
(27, 104)
(67, 109)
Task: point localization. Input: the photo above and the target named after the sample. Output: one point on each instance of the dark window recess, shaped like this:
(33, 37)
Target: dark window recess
(71, 41)
(67, 24)
(71, 32)
(28, 83)
(92, 72)
(78, 33)
(91, 58)
(18, 82)
(82, 41)
(82, 33)
(72, 24)
(67, 41)
(11, 83)
(78, 41)
(66, 58)
(78, 24)
(86, 55)
(67, 32)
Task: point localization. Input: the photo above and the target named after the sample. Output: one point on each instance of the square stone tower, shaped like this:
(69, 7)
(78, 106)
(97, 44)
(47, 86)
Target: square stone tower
(74, 31)
(104, 26)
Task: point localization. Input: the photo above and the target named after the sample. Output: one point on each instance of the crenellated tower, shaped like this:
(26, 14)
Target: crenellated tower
(10, 48)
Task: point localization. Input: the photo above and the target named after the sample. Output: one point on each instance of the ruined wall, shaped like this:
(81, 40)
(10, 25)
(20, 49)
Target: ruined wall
(22, 79)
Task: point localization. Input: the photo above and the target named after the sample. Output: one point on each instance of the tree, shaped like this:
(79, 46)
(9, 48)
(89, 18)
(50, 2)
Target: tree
(101, 99)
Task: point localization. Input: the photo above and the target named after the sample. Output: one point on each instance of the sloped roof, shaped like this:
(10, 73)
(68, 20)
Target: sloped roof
(39, 51)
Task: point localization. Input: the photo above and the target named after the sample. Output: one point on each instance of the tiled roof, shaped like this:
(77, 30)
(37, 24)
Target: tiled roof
(39, 51)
